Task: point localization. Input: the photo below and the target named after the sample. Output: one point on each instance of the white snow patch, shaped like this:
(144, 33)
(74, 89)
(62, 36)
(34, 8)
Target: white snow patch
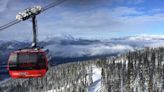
(10, 47)
(163, 63)
(57, 90)
(96, 76)
(4, 81)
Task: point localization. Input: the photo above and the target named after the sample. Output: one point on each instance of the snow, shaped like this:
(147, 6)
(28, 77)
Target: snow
(95, 86)
(96, 76)
(10, 47)
(163, 63)
(54, 90)
(4, 81)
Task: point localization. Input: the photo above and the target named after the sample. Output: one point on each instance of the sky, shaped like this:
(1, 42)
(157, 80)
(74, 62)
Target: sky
(91, 19)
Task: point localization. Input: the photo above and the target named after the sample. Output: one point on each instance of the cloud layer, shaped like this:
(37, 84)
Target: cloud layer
(68, 46)
(110, 47)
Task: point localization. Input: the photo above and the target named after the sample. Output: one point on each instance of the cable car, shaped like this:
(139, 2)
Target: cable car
(31, 62)
(27, 63)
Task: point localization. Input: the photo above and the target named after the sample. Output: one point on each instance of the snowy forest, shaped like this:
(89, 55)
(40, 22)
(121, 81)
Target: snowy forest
(81, 46)
(137, 71)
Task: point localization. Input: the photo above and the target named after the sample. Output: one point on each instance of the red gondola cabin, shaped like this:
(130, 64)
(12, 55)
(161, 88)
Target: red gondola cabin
(28, 63)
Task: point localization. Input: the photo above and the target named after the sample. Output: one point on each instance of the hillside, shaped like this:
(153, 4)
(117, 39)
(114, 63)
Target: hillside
(138, 71)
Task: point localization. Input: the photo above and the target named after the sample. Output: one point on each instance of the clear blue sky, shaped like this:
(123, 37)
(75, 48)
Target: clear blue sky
(96, 19)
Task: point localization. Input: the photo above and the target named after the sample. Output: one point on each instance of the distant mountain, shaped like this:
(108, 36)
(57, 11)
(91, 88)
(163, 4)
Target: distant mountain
(66, 46)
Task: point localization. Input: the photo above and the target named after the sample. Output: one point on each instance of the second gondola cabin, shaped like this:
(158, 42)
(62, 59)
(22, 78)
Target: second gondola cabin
(27, 63)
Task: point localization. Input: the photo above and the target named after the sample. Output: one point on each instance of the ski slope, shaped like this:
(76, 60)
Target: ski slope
(95, 86)
(96, 76)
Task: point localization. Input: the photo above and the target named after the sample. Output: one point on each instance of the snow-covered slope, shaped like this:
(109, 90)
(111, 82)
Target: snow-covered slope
(95, 86)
